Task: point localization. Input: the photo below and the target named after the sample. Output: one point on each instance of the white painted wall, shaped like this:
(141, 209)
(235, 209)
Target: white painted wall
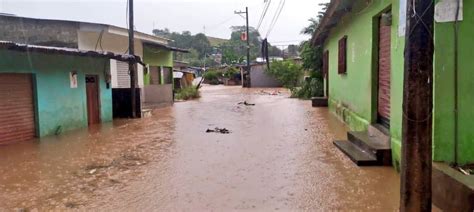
(88, 40)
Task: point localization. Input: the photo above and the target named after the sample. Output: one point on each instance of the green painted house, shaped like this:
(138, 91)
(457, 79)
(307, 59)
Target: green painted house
(364, 42)
(48, 90)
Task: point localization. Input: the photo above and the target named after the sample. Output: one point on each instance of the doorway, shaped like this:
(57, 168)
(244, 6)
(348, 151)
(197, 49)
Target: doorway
(93, 106)
(383, 73)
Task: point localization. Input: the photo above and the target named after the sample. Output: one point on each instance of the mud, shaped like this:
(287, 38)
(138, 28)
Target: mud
(279, 156)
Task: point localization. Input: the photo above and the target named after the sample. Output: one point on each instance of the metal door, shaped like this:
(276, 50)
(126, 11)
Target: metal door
(384, 74)
(17, 116)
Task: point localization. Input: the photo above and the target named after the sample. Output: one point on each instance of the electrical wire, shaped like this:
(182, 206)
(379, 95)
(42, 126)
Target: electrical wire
(264, 13)
(275, 18)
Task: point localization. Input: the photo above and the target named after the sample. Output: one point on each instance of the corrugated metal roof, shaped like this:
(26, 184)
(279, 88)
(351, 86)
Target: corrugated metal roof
(68, 51)
(157, 45)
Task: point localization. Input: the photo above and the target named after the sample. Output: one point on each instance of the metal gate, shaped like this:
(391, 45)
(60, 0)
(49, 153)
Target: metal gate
(384, 74)
(17, 116)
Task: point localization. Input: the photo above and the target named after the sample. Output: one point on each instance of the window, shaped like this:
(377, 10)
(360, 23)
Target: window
(342, 64)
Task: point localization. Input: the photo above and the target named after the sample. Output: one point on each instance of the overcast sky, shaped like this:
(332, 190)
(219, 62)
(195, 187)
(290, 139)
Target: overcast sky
(212, 16)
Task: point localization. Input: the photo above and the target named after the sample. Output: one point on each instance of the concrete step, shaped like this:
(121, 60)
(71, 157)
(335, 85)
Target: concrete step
(379, 131)
(319, 101)
(357, 155)
(377, 146)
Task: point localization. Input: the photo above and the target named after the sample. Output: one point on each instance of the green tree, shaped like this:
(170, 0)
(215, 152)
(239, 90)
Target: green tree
(201, 44)
(287, 72)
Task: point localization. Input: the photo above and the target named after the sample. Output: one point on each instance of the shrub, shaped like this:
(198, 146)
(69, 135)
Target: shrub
(212, 77)
(287, 72)
(231, 72)
(312, 87)
(187, 93)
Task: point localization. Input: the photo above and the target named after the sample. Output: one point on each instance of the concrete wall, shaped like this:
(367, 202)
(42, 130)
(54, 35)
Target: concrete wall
(353, 96)
(260, 79)
(88, 40)
(59, 105)
(443, 120)
(39, 32)
(157, 94)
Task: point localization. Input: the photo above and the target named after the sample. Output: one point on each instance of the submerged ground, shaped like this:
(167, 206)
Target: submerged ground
(278, 156)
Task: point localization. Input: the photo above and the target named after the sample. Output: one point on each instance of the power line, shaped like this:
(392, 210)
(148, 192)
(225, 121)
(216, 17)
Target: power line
(264, 13)
(275, 17)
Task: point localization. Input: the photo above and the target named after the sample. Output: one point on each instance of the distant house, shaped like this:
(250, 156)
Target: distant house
(259, 77)
(154, 79)
(47, 90)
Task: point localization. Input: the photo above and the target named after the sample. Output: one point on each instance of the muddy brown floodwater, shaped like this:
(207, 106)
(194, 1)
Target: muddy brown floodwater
(278, 156)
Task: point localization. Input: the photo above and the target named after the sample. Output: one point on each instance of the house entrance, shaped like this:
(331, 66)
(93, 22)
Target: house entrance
(384, 47)
(93, 106)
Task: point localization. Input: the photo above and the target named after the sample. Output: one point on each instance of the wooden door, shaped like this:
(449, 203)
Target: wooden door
(155, 75)
(383, 108)
(17, 116)
(93, 106)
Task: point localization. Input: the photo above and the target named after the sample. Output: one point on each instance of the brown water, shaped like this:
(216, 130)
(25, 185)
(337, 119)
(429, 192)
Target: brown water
(278, 156)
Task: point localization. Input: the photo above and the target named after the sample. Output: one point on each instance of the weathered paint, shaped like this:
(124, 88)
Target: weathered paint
(156, 57)
(353, 96)
(58, 106)
(443, 120)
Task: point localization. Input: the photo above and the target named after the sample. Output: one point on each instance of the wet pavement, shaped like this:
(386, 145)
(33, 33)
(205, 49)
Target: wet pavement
(278, 156)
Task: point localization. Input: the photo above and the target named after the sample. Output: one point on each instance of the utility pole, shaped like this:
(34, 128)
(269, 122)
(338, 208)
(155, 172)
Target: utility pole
(131, 64)
(416, 164)
(247, 74)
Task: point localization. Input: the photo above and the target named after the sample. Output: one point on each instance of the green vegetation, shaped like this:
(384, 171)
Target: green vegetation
(215, 42)
(288, 73)
(203, 48)
(312, 61)
(187, 93)
(231, 72)
(212, 77)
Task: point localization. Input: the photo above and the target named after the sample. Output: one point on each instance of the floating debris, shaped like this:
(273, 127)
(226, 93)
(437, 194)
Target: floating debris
(273, 93)
(218, 130)
(246, 103)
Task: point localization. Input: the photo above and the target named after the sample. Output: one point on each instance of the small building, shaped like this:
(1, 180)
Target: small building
(155, 51)
(259, 78)
(363, 60)
(48, 90)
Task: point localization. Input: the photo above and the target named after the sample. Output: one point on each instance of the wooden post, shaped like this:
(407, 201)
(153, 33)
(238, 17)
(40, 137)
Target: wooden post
(417, 108)
(131, 64)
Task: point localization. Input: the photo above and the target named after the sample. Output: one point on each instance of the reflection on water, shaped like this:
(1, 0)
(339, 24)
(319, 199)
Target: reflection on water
(278, 156)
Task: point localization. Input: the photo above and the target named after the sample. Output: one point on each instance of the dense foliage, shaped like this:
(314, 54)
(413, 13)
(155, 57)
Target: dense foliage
(312, 61)
(287, 72)
(233, 50)
(190, 92)
(231, 73)
(211, 77)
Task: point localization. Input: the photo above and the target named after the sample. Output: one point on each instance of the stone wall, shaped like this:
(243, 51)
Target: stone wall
(39, 32)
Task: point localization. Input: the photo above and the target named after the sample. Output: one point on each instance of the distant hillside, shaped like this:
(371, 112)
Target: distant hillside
(216, 41)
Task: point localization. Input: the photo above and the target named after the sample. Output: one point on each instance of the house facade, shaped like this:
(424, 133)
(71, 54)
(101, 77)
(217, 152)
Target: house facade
(364, 43)
(47, 91)
(102, 37)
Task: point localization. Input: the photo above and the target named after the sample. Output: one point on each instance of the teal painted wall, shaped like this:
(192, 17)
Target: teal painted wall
(353, 95)
(156, 57)
(443, 121)
(57, 104)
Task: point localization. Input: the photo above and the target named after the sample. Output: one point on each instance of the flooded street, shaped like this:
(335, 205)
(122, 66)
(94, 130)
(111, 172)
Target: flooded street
(278, 156)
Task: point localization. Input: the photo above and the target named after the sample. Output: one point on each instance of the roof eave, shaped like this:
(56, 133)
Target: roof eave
(336, 10)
